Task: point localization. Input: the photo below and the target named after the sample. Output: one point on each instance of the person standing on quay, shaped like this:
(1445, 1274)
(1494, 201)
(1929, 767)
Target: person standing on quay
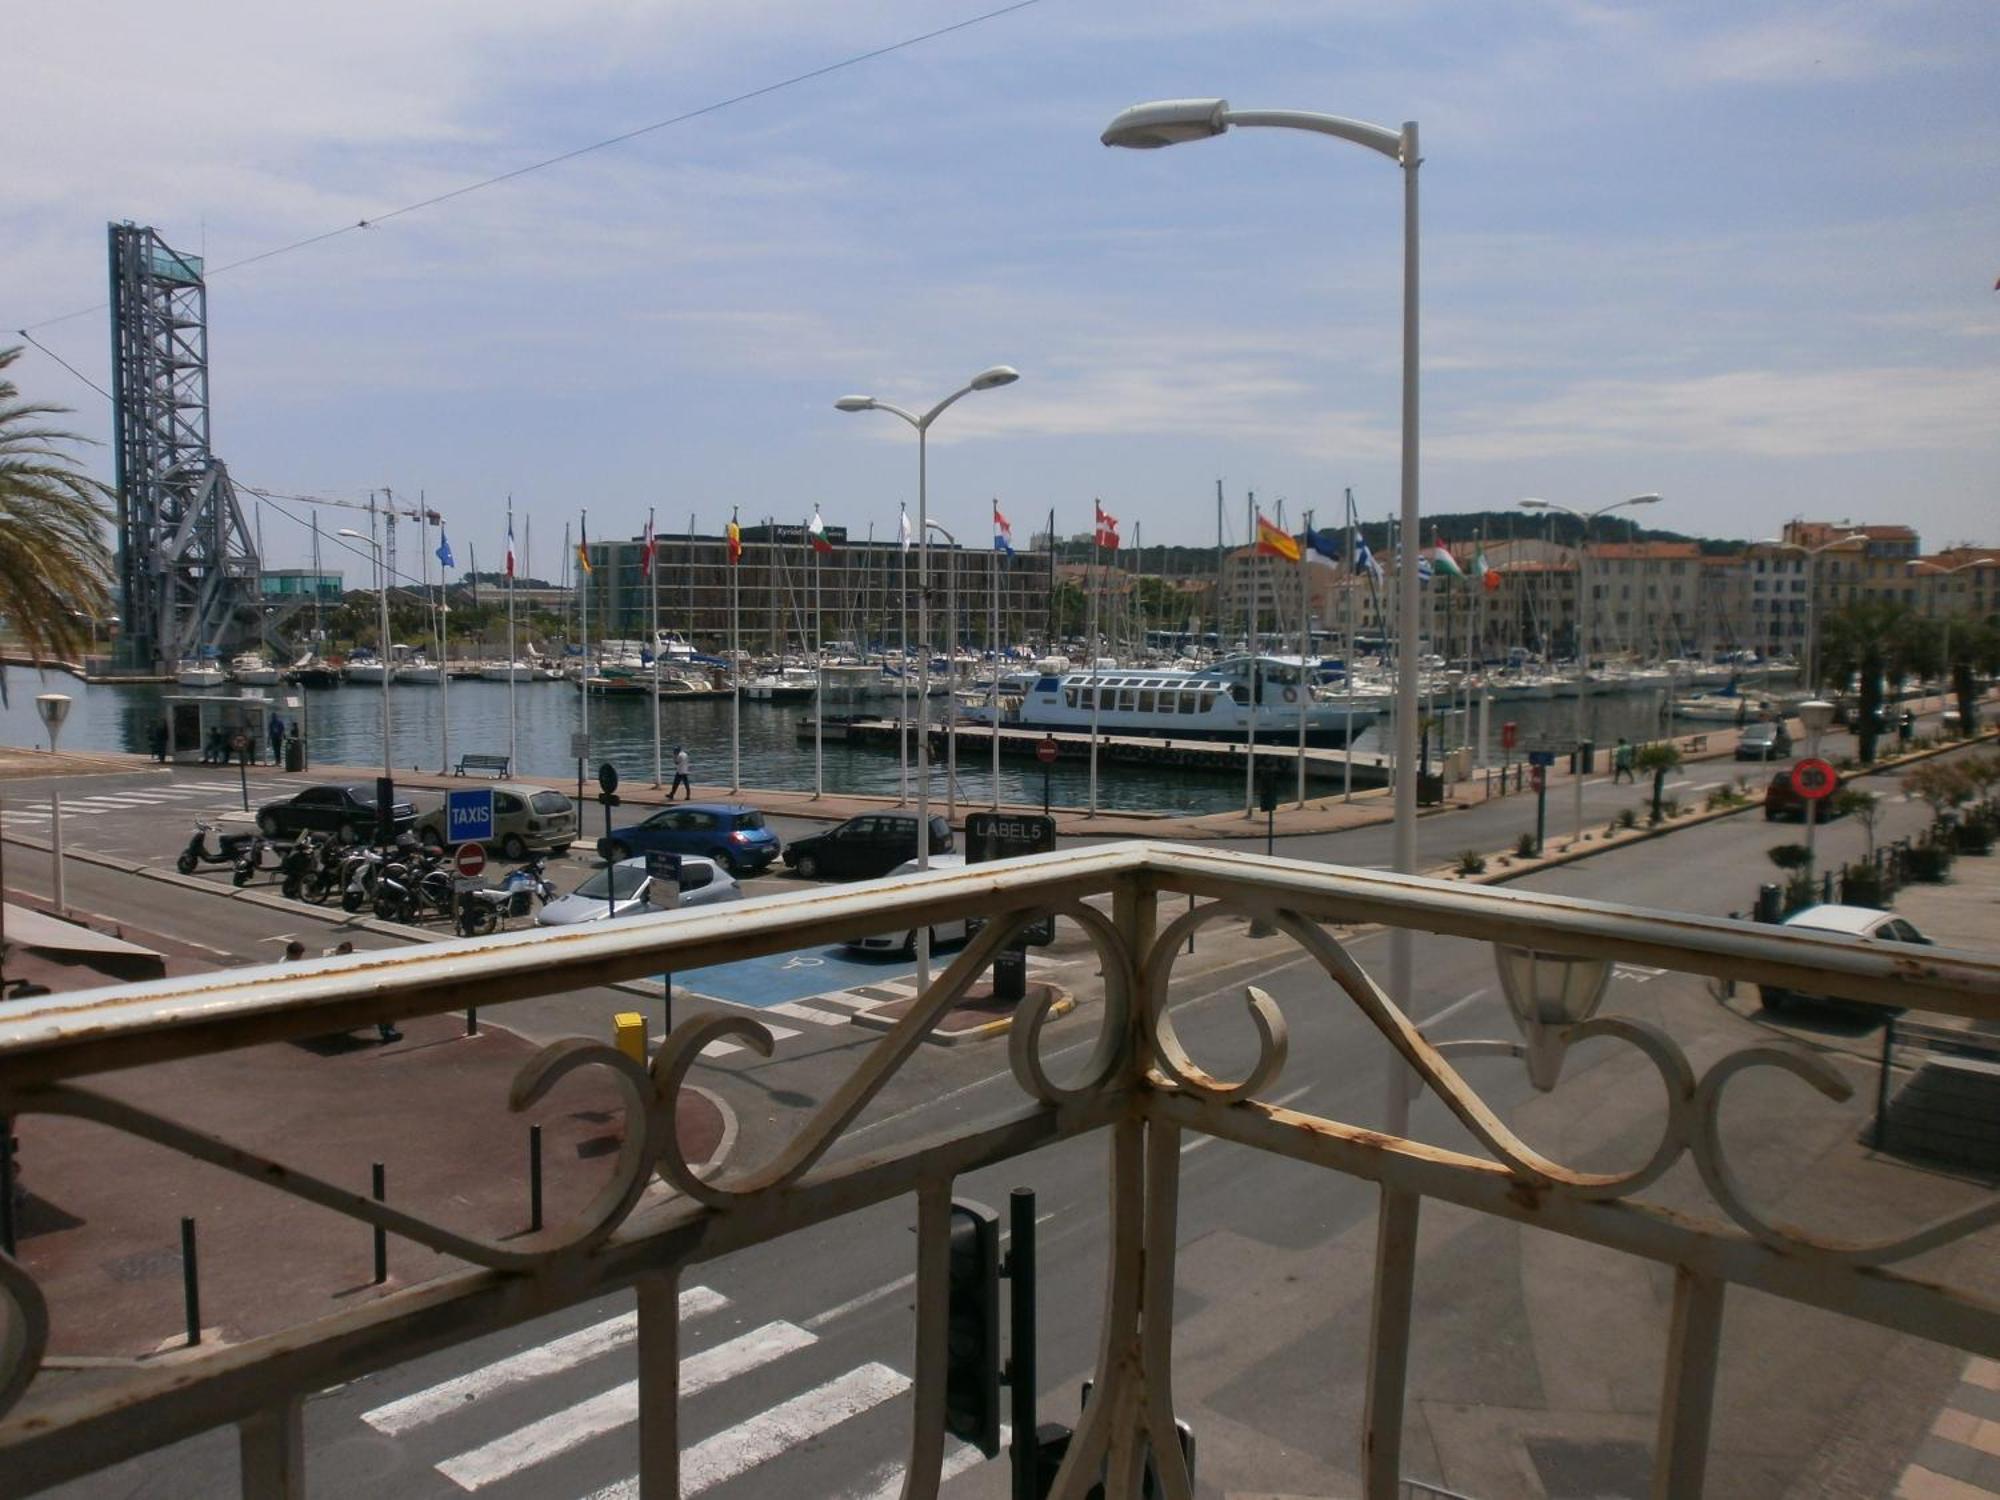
(681, 779)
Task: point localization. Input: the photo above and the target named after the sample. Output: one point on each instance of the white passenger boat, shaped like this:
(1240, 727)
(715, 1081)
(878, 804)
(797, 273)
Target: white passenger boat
(199, 674)
(505, 671)
(1220, 702)
(420, 670)
(254, 670)
(368, 671)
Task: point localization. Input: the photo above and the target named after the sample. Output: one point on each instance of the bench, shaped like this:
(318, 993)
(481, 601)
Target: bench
(497, 764)
(1696, 743)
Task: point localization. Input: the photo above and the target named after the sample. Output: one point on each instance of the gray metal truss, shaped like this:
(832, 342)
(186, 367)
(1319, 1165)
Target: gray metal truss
(189, 573)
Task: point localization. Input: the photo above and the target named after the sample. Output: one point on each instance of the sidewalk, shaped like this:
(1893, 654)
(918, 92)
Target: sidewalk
(100, 1231)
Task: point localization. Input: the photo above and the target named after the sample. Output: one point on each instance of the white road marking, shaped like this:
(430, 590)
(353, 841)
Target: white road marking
(551, 1358)
(1456, 1006)
(801, 1012)
(886, 1482)
(539, 1441)
(736, 1450)
(855, 1304)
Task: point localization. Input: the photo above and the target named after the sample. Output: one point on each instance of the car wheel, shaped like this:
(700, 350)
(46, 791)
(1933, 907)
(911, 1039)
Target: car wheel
(240, 876)
(808, 866)
(729, 862)
(350, 900)
(613, 852)
(513, 848)
(185, 863)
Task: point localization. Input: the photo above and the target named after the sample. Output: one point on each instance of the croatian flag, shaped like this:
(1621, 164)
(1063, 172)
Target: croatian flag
(1003, 532)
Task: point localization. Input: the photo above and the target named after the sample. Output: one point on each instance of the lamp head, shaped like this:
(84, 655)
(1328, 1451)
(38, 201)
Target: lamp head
(1167, 122)
(994, 376)
(1648, 499)
(1548, 993)
(350, 531)
(1816, 714)
(1533, 504)
(855, 403)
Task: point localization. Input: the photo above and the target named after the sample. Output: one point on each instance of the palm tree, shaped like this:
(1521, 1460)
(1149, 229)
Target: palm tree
(1659, 757)
(55, 569)
(1872, 640)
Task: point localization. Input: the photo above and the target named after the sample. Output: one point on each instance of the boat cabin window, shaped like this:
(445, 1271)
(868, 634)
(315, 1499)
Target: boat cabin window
(1128, 698)
(1239, 692)
(1145, 700)
(1069, 697)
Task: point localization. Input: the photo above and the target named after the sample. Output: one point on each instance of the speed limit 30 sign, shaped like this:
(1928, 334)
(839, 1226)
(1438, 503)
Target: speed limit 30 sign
(1814, 779)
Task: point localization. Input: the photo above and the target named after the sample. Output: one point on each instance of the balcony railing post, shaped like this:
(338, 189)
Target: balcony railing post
(272, 1449)
(1389, 1344)
(659, 1388)
(1687, 1400)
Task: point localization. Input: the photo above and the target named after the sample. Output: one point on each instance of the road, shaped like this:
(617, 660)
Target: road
(796, 1355)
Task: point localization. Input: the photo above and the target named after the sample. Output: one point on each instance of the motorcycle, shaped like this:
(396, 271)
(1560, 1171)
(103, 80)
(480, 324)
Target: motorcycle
(360, 869)
(306, 871)
(249, 860)
(411, 883)
(515, 895)
(227, 850)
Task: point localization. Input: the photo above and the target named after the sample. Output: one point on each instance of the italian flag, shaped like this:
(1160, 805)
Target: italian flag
(1489, 576)
(817, 531)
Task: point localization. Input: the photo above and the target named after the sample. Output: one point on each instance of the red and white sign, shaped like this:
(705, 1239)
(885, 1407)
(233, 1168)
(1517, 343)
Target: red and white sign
(469, 860)
(1510, 735)
(1047, 751)
(1537, 777)
(1814, 779)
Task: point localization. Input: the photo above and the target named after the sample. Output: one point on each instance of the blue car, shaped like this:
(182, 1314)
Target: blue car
(733, 834)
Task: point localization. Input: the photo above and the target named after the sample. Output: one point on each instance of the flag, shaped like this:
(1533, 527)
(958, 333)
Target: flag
(510, 544)
(647, 549)
(1423, 565)
(735, 534)
(1364, 560)
(1322, 550)
(1274, 541)
(1107, 528)
(1447, 565)
(817, 531)
(583, 548)
(1489, 576)
(903, 528)
(444, 550)
(1003, 532)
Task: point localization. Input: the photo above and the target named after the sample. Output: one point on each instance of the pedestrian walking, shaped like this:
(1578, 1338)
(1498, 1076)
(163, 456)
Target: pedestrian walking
(681, 765)
(277, 740)
(160, 743)
(1621, 761)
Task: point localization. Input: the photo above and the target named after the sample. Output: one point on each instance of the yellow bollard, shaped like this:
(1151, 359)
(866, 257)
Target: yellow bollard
(630, 1029)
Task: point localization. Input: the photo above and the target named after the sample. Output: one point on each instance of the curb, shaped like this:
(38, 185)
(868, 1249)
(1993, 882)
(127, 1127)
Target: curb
(1062, 1005)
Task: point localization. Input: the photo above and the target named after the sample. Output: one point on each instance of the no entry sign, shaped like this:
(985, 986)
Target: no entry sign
(1047, 750)
(1814, 779)
(469, 860)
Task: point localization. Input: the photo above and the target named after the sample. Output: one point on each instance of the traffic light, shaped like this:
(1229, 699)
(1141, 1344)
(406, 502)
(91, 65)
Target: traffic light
(972, 1358)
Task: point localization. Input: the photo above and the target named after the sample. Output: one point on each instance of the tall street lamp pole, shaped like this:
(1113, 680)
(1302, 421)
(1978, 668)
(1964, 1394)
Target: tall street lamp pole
(1583, 626)
(951, 669)
(382, 650)
(986, 380)
(1171, 121)
(1811, 555)
(1944, 696)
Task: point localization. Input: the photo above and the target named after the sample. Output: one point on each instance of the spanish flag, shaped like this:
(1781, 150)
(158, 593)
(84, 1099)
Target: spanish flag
(735, 543)
(583, 548)
(1273, 541)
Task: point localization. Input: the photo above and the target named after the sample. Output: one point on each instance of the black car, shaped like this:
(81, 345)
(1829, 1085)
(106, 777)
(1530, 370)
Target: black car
(347, 812)
(864, 847)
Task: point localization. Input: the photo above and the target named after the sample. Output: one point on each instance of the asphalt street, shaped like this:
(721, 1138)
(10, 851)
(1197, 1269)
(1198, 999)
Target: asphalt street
(797, 1354)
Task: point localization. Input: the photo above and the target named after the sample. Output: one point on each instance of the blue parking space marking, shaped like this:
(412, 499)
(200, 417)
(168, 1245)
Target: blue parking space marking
(785, 977)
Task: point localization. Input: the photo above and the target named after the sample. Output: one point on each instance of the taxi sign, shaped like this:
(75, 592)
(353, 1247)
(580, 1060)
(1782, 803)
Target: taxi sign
(468, 815)
(1814, 779)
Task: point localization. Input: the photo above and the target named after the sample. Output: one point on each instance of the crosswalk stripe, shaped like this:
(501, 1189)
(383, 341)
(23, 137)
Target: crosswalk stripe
(539, 1441)
(886, 1483)
(739, 1449)
(802, 1012)
(551, 1358)
(848, 998)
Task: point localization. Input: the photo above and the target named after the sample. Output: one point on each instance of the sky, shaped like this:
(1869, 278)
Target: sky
(1740, 255)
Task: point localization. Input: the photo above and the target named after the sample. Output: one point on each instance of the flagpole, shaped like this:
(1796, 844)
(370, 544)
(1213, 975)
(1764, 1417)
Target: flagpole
(993, 652)
(1305, 650)
(903, 671)
(819, 693)
(735, 656)
(1250, 640)
(1090, 644)
(1347, 735)
(513, 660)
(651, 560)
(583, 633)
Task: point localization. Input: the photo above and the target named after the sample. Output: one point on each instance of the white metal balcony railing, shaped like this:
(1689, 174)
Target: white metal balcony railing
(1139, 1085)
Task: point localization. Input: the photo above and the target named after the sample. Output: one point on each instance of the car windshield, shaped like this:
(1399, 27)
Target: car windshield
(549, 802)
(625, 880)
(748, 820)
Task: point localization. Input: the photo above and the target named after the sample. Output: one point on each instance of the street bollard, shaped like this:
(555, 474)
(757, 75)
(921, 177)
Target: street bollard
(629, 1031)
(6, 1185)
(381, 1185)
(534, 1178)
(472, 1021)
(1882, 1085)
(190, 1282)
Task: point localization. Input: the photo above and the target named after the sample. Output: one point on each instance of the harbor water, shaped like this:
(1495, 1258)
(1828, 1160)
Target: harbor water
(344, 728)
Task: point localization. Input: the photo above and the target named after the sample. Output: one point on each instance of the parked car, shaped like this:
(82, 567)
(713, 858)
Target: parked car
(1782, 801)
(624, 889)
(1769, 740)
(733, 834)
(943, 934)
(526, 820)
(1864, 922)
(864, 847)
(346, 812)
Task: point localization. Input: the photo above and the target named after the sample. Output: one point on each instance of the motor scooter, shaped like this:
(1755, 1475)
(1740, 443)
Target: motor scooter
(225, 849)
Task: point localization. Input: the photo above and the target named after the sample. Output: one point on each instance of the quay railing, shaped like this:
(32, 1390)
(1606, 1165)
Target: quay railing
(1137, 904)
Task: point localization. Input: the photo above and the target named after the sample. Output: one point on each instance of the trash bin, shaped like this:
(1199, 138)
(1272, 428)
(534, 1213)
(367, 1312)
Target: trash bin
(295, 754)
(1430, 789)
(1010, 973)
(1770, 903)
(1586, 752)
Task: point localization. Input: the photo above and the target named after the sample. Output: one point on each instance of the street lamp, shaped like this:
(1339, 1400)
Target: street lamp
(1547, 993)
(1583, 623)
(1977, 562)
(382, 646)
(951, 669)
(1815, 714)
(1169, 122)
(1812, 592)
(54, 708)
(988, 379)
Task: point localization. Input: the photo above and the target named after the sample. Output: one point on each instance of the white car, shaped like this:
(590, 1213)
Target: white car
(624, 890)
(943, 935)
(1864, 922)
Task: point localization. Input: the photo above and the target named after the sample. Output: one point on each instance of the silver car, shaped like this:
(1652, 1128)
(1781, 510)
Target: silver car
(943, 935)
(625, 890)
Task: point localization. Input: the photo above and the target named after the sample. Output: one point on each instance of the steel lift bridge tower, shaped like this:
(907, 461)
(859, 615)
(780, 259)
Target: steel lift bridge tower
(189, 575)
